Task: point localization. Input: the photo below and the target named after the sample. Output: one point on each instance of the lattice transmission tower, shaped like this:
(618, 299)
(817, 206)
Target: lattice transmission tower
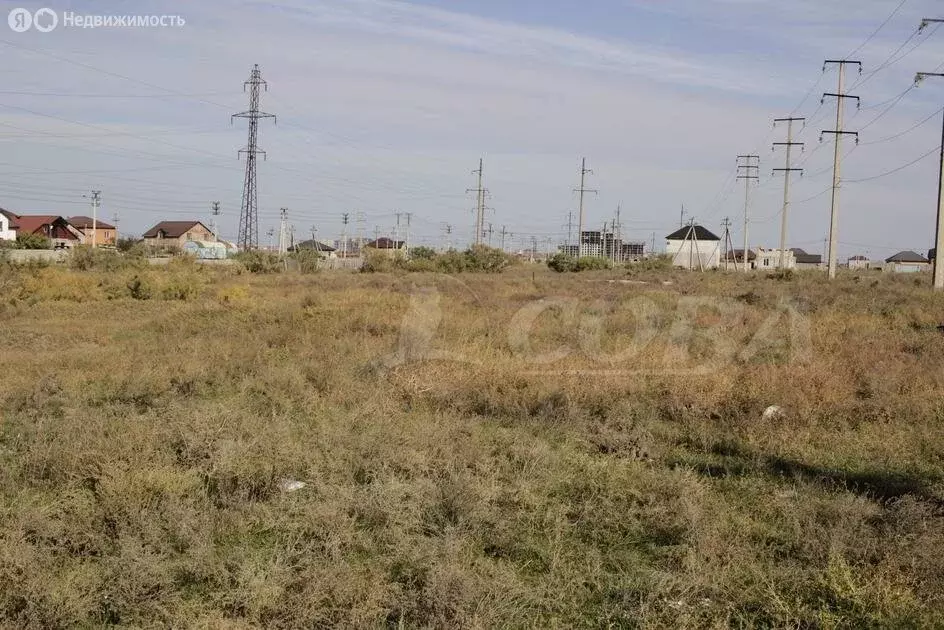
(248, 237)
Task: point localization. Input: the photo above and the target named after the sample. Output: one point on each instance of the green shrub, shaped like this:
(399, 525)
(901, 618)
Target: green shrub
(378, 261)
(181, 287)
(423, 253)
(451, 262)
(478, 258)
(308, 260)
(139, 288)
(661, 262)
(591, 263)
(481, 258)
(256, 261)
(128, 244)
(32, 241)
(562, 263)
(86, 258)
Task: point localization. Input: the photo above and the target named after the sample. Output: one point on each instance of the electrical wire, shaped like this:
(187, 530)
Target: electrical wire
(906, 131)
(895, 170)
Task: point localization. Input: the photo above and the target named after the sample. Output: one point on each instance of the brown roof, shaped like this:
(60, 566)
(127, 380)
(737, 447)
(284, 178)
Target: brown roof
(13, 218)
(85, 223)
(171, 229)
(49, 225)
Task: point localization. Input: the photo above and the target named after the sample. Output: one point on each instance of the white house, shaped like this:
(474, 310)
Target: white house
(859, 262)
(907, 262)
(694, 247)
(770, 259)
(6, 234)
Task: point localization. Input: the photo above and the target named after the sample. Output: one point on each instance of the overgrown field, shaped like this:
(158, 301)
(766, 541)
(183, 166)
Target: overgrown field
(527, 449)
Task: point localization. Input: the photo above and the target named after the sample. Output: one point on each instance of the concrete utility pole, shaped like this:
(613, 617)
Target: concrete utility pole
(406, 241)
(838, 133)
(480, 193)
(570, 228)
(314, 231)
(396, 230)
(750, 169)
(682, 216)
(115, 220)
(345, 218)
(618, 244)
(447, 229)
(283, 214)
(787, 170)
(504, 232)
(584, 171)
(96, 201)
(938, 282)
(361, 220)
(214, 213)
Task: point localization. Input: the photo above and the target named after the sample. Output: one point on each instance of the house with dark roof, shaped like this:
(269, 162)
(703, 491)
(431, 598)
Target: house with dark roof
(59, 231)
(806, 261)
(907, 261)
(95, 232)
(322, 248)
(694, 247)
(385, 243)
(173, 234)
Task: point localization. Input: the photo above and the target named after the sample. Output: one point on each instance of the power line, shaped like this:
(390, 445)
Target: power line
(879, 29)
(906, 131)
(894, 170)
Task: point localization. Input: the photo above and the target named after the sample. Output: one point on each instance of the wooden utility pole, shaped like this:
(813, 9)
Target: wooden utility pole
(787, 170)
(838, 133)
(748, 171)
(584, 171)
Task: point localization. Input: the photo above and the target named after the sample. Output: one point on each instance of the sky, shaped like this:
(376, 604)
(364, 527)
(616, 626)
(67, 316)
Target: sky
(386, 107)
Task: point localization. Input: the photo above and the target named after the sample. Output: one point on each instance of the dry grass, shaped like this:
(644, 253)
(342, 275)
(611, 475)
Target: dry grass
(144, 441)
